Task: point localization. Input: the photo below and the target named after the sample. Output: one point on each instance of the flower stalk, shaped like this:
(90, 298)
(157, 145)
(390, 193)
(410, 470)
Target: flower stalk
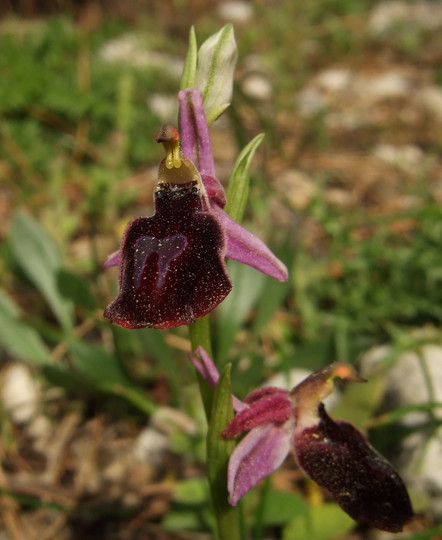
(218, 454)
(199, 334)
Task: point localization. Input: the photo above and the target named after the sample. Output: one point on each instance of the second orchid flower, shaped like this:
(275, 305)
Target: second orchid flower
(333, 453)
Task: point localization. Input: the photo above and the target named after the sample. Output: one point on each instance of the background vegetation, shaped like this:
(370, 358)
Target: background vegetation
(346, 189)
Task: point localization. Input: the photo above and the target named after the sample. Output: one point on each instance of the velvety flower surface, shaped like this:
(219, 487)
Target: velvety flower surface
(172, 267)
(334, 454)
(338, 457)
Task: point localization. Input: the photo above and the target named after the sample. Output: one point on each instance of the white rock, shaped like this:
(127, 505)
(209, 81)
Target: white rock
(298, 188)
(430, 98)
(150, 446)
(414, 379)
(20, 393)
(165, 107)
(390, 84)
(169, 420)
(387, 15)
(128, 49)
(334, 80)
(408, 157)
(349, 94)
(406, 379)
(258, 87)
(235, 12)
(288, 380)
(310, 101)
(40, 430)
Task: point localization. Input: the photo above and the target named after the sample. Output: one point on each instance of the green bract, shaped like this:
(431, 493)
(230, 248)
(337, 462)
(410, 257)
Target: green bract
(215, 68)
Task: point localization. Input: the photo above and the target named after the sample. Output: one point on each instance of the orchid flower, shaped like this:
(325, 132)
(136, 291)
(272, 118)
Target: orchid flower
(172, 267)
(333, 453)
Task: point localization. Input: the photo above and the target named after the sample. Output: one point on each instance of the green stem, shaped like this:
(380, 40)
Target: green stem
(199, 333)
(228, 517)
(218, 408)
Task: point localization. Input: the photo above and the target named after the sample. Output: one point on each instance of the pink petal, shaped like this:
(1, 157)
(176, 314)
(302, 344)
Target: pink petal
(263, 392)
(260, 453)
(274, 405)
(204, 364)
(195, 135)
(113, 259)
(245, 247)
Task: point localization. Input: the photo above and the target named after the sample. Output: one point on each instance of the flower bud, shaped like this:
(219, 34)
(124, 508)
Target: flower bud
(216, 65)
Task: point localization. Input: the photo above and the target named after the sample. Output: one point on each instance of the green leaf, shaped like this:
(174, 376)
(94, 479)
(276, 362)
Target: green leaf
(238, 187)
(183, 520)
(76, 289)
(322, 522)
(104, 370)
(18, 338)
(39, 259)
(218, 454)
(282, 507)
(248, 284)
(190, 64)
(191, 491)
(272, 296)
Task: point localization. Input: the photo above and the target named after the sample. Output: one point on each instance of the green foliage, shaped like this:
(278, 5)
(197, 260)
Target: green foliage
(321, 522)
(40, 261)
(383, 279)
(54, 80)
(17, 337)
(238, 189)
(190, 64)
(282, 507)
(91, 367)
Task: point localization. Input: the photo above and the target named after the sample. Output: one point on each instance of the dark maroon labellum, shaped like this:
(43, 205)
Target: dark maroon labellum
(339, 458)
(172, 268)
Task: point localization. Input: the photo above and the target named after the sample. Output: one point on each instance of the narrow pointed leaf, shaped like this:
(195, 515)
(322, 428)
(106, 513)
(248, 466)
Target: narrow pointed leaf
(238, 190)
(40, 261)
(189, 70)
(104, 370)
(207, 369)
(17, 337)
(235, 310)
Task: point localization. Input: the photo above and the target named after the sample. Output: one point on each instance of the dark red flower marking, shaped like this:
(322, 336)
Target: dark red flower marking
(172, 267)
(338, 457)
